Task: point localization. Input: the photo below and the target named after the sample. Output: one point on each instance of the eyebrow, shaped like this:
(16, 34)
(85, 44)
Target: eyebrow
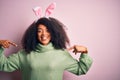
(41, 28)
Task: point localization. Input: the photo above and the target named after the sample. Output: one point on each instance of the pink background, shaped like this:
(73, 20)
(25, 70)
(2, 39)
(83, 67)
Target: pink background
(92, 23)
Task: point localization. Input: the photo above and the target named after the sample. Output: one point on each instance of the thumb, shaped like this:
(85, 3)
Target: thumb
(71, 48)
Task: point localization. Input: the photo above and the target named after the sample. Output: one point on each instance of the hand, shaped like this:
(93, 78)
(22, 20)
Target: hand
(78, 49)
(6, 43)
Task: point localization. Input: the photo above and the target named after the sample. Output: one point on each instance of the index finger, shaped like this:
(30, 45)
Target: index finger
(14, 44)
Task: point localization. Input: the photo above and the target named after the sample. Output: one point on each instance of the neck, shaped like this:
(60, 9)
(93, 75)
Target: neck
(43, 48)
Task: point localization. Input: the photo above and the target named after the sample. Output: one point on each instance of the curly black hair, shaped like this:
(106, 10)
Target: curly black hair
(59, 37)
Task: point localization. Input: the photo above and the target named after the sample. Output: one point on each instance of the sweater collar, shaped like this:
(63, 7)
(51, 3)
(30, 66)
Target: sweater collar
(44, 48)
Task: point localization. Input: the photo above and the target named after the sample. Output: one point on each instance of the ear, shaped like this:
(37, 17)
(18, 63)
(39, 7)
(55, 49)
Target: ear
(50, 9)
(38, 11)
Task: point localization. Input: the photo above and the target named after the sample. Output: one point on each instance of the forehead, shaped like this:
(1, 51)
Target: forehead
(41, 26)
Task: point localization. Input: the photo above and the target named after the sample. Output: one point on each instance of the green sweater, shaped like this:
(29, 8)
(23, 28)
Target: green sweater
(45, 63)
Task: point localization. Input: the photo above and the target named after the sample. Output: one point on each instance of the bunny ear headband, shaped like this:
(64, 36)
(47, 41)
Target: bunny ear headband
(48, 11)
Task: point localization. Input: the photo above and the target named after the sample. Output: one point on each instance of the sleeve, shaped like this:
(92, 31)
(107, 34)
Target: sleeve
(78, 67)
(9, 64)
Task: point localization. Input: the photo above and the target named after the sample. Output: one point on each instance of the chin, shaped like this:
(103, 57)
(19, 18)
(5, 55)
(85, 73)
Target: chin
(46, 43)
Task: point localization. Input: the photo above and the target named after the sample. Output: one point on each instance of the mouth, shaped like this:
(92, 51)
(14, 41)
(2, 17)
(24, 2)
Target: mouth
(44, 38)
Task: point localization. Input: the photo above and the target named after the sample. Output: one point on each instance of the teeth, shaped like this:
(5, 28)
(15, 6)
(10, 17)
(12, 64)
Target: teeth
(44, 38)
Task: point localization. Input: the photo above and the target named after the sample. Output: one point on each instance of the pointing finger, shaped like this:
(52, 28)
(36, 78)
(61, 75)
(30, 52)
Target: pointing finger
(14, 44)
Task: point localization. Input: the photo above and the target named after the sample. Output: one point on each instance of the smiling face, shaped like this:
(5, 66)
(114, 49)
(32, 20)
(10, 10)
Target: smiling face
(44, 35)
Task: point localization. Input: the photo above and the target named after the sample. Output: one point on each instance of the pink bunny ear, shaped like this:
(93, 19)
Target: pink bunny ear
(37, 11)
(50, 9)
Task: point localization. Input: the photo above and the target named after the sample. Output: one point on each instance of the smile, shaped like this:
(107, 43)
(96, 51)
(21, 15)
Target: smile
(43, 38)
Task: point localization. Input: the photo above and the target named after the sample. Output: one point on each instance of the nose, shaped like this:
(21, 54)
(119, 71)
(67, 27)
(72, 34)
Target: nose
(44, 32)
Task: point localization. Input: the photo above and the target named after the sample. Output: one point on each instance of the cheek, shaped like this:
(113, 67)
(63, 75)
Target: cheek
(49, 35)
(38, 35)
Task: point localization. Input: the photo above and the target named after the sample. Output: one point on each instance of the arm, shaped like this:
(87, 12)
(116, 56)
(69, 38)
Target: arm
(83, 65)
(12, 62)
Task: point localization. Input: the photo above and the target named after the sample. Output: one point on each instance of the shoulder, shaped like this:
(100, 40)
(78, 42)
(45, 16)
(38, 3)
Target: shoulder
(63, 52)
(20, 53)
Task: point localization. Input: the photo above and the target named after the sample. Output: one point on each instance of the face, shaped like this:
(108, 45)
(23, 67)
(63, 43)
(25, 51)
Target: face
(44, 36)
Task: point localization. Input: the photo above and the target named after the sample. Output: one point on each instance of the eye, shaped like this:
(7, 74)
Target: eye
(39, 30)
(47, 30)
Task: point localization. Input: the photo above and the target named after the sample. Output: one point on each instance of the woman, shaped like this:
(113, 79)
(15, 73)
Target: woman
(44, 55)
